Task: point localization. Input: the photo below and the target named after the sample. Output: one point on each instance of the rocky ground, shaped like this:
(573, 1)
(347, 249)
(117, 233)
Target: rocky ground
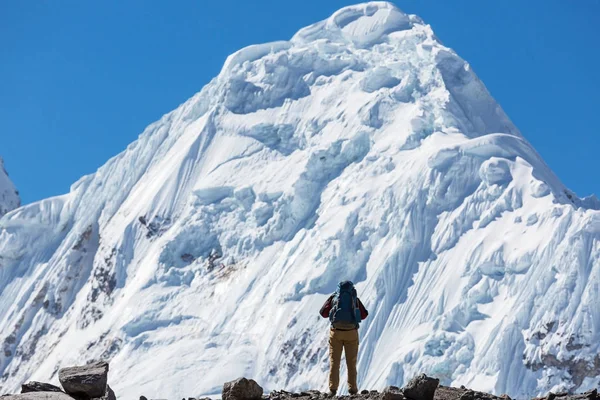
(441, 393)
(90, 382)
(421, 387)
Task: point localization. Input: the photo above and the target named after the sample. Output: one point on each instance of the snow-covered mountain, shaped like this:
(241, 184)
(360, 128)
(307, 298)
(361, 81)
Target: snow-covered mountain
(360, 149)
(9, 197)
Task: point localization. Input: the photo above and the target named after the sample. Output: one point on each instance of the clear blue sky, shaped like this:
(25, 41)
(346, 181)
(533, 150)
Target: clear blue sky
(79, 80)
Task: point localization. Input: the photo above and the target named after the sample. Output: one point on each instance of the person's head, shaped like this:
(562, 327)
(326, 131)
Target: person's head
(345, 285)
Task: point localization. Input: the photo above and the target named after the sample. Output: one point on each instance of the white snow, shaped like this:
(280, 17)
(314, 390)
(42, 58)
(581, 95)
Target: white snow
(9, 197)
(361, 149)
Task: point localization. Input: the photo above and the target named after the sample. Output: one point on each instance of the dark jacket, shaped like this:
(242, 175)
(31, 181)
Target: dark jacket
(327, 307)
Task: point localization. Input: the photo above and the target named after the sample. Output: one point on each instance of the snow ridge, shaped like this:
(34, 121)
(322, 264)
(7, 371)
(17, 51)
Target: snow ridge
(9, 197)
(361, 149)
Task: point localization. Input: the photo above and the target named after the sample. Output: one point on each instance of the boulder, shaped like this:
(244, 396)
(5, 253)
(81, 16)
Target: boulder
(421, 387)
(38, 396)
(392, 393)
(242, 389)
(34, 386)
(592, 394)
(88, 381)
(108, 395)
(468, 395)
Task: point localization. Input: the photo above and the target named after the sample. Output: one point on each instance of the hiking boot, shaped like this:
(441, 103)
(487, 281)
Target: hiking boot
(331, 393)
(353, 392)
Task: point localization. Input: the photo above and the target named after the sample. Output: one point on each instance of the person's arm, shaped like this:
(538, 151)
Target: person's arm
(363, 311)
(326, 308)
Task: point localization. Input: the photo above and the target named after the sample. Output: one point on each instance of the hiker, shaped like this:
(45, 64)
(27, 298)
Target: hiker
(345, 311)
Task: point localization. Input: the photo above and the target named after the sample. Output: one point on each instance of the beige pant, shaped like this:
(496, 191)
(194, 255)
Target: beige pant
(347, 341)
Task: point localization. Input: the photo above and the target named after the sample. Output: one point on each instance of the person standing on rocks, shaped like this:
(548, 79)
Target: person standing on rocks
(345, 312)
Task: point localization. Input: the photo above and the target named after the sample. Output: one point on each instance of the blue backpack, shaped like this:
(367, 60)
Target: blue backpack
(344, 306)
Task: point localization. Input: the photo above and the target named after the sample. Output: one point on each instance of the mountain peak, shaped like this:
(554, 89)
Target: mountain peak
(362, 149)
(362, 24)
(9, 196)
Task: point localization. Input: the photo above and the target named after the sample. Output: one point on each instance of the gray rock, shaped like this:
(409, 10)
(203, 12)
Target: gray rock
(88, 381)
(468, 395)
(34, 386)
(242, 389)
(38, 396)
(108, 395)
(421, 387)
(392, 393)
(143, 398)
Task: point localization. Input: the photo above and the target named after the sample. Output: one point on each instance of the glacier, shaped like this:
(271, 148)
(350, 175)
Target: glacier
(362, 149)
(9, 196)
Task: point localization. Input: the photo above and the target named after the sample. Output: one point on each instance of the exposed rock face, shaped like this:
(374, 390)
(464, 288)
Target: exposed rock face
(88, 381)
(242, 389)
(39, 387)
(421, 387)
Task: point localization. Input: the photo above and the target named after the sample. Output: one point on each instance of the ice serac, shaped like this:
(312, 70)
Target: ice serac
(9, 197)
(360, 149)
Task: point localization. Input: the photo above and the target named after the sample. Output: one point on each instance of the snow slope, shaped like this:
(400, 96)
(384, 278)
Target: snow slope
(9, 197)
(360, 149)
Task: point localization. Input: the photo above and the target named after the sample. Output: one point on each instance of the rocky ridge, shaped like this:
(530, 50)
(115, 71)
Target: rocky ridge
(421, 387)
(90, 382)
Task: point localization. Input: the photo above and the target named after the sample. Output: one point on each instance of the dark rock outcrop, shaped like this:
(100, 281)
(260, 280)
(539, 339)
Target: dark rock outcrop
(421, 387)
(590, 395)
(34, 386)
(468, 395)
(242, 389)
(392, 393)
(108, 395)
(284, 395)
(86, 382)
